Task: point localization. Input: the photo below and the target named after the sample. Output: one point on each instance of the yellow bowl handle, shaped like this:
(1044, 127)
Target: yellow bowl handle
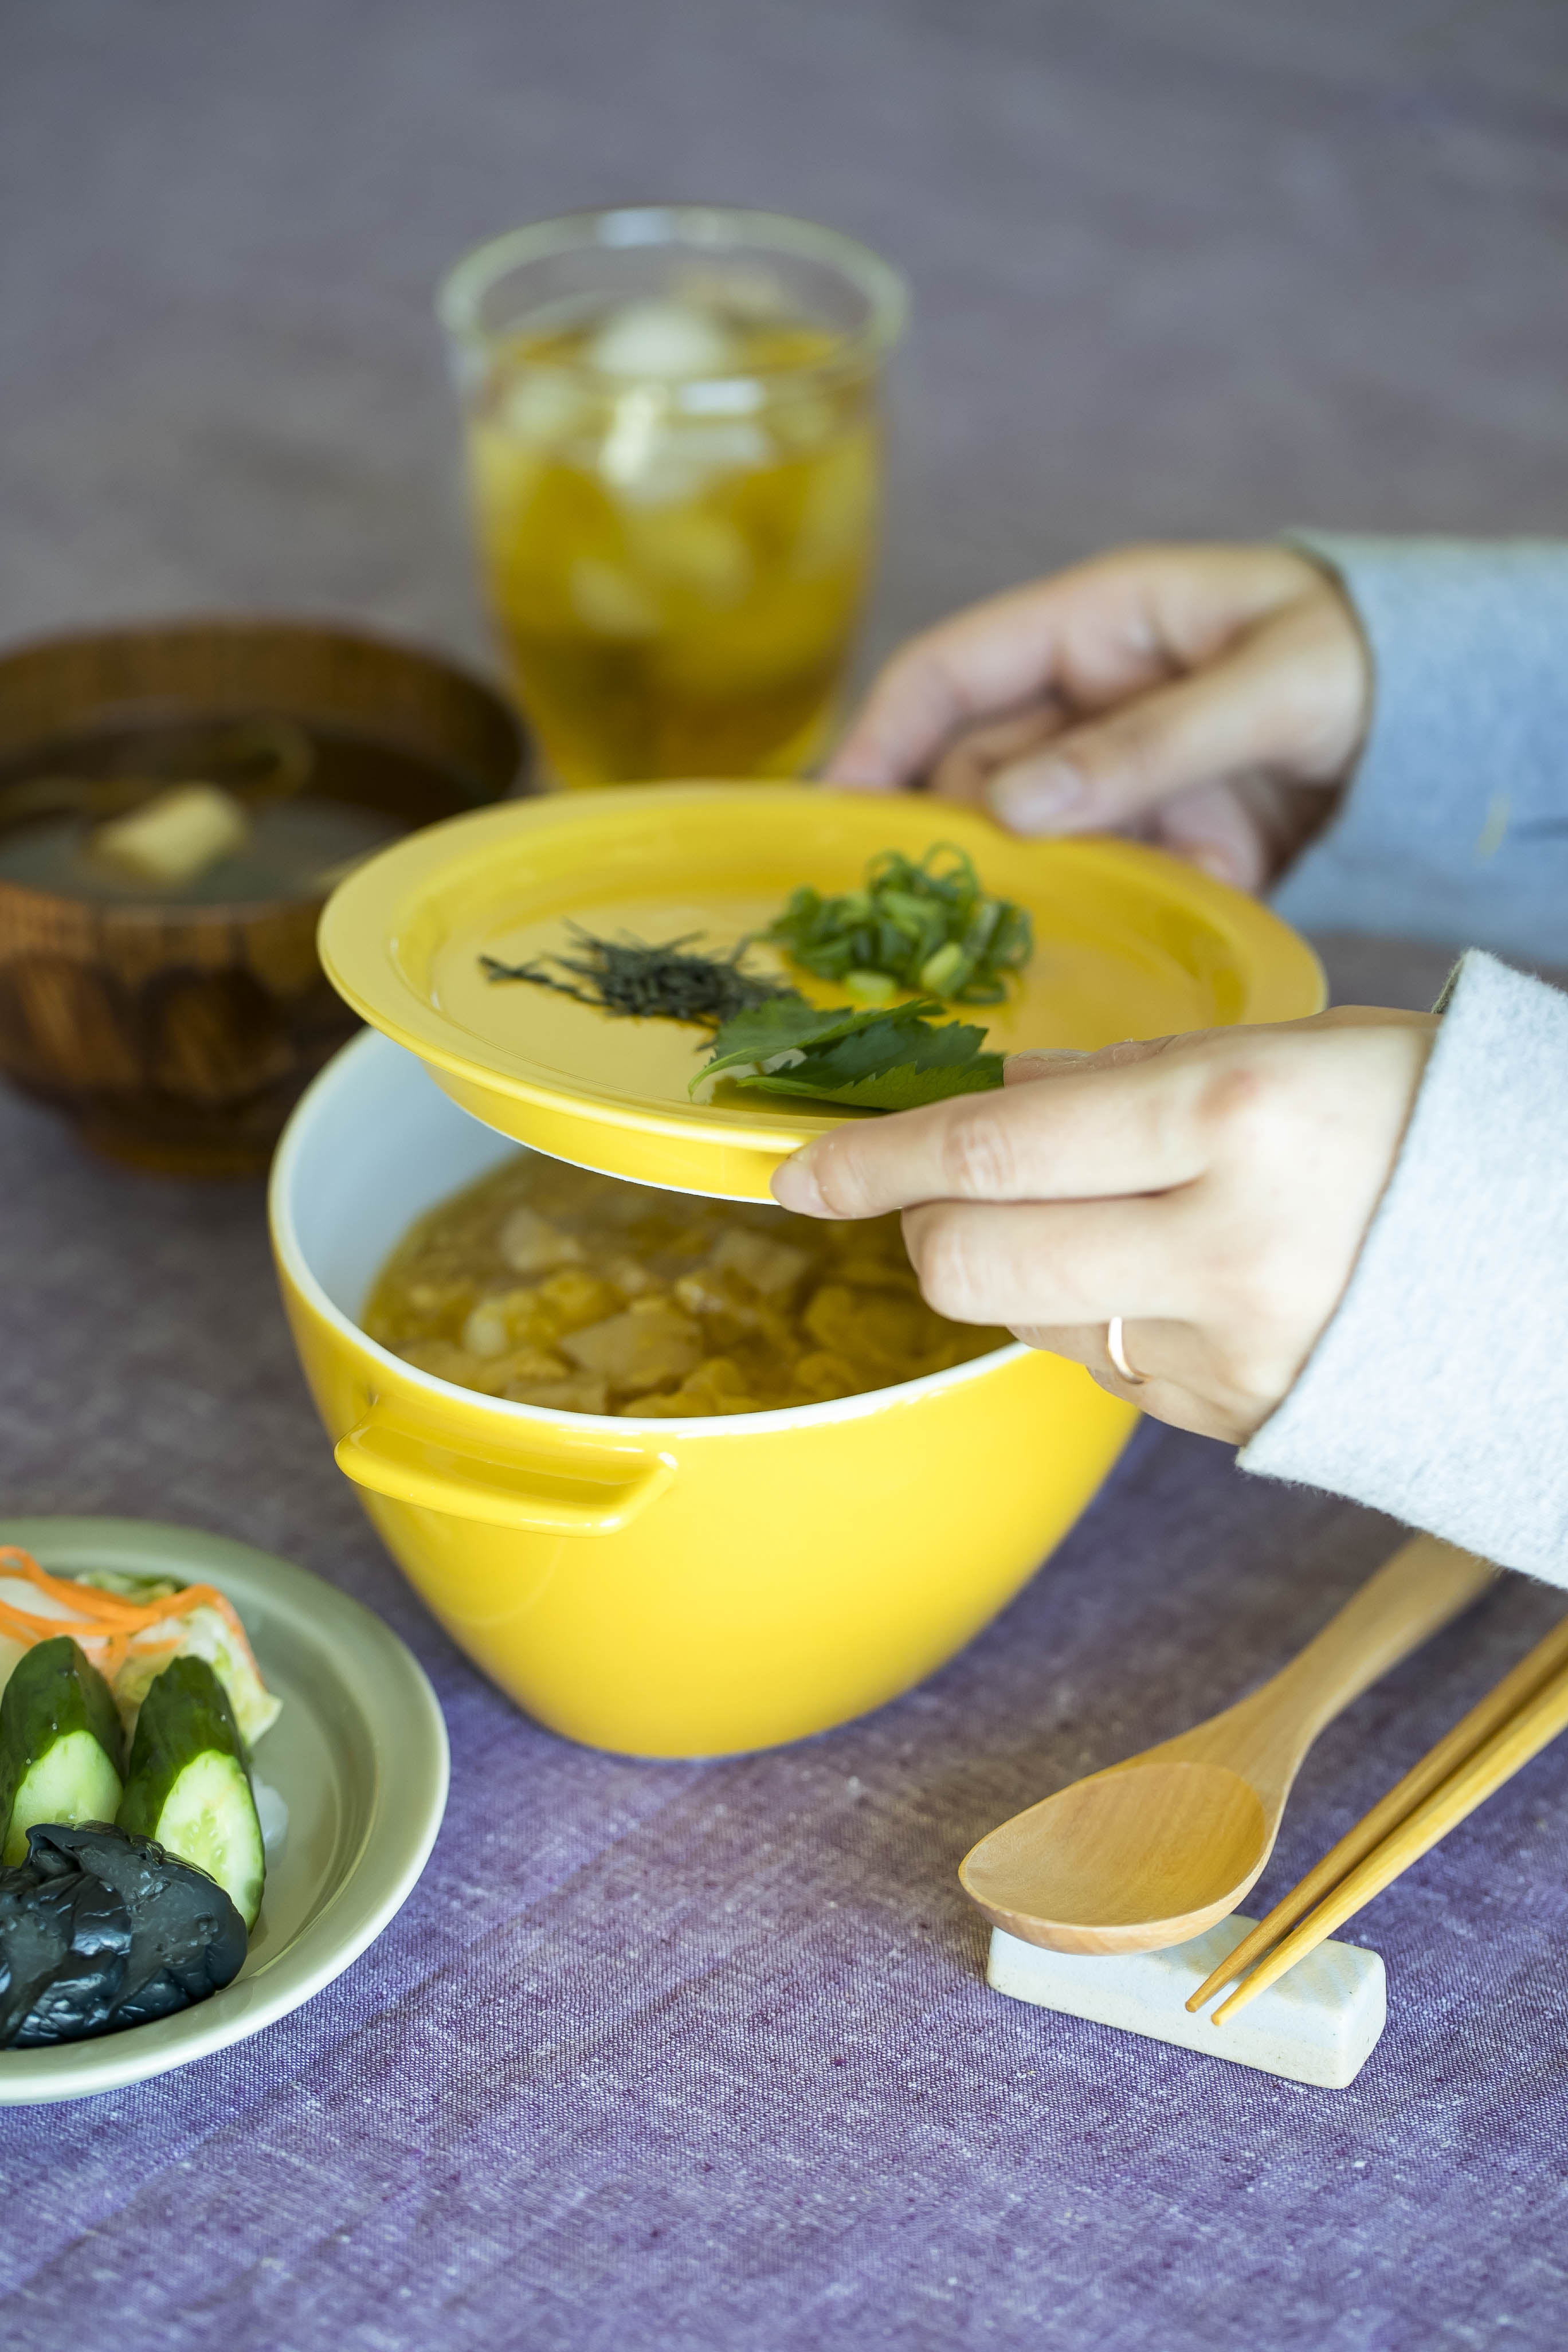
(505, 1491)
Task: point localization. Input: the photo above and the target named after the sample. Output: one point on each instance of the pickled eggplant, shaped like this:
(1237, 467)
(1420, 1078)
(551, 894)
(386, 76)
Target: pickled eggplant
(62, 1750)
(189, 1784)
(65, 1937)
(187, 1940)
(100, 1930)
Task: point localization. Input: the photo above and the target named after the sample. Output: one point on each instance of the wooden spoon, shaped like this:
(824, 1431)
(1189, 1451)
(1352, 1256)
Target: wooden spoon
(1153, 1850)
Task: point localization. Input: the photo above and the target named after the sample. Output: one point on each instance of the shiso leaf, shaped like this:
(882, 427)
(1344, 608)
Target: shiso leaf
(788, 1023)
(904, 1088)
(889, 1058)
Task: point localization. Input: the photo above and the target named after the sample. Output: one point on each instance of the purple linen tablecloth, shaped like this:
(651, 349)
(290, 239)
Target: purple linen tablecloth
(701, 2055)
(701, 2059)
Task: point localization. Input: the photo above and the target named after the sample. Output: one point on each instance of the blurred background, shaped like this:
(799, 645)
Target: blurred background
(1204, 268)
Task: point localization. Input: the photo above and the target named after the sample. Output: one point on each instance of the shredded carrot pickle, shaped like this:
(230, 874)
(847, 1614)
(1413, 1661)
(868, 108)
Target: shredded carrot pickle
(107, 1625)
(553, 1286)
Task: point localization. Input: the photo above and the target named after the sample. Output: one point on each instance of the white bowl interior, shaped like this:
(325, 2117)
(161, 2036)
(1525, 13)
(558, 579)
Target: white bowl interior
(362, 1159)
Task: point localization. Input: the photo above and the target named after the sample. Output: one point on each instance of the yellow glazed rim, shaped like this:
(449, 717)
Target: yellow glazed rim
(384, 930)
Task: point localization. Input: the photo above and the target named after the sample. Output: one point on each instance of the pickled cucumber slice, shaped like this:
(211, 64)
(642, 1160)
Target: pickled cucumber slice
(73, 1782)
(61, 1747)
(189, 1787)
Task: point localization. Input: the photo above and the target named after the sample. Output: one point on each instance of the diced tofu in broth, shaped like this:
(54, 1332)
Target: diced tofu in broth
(549, 1285)
(648, 1347)
(775, 1268)
(531, 1244)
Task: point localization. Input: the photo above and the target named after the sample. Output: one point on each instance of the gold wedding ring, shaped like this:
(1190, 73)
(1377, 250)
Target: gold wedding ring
(1115, 1350)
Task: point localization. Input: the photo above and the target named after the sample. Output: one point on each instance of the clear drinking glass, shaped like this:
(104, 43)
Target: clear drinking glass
(674, 456)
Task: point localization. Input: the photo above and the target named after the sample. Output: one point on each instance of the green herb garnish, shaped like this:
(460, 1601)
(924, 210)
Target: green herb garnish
(879, 1060)
(928, 925)
(630, 978)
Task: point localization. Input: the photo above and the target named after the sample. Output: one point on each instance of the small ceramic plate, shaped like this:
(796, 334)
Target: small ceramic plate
(1129, 943)
(358, 1755)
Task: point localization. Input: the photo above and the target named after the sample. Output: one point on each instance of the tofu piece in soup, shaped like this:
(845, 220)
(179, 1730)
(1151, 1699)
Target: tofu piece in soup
(548, 1285)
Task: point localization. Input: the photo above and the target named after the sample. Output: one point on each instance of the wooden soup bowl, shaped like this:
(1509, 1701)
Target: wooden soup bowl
(177, 1036)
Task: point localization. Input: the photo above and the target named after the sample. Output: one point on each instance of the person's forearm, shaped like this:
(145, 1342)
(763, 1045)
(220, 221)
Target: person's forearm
(1454, 826)
(1439, 1389)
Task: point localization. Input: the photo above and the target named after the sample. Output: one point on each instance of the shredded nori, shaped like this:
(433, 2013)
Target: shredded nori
(634, 981)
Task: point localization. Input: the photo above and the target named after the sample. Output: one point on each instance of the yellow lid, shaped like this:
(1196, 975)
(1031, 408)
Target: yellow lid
(1128, 943)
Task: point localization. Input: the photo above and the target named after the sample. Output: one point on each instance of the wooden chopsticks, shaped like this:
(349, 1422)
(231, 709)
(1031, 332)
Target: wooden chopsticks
(1525, 1712)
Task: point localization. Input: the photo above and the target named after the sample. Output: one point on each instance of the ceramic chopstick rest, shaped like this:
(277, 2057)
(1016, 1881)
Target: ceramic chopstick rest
(1318, 2025)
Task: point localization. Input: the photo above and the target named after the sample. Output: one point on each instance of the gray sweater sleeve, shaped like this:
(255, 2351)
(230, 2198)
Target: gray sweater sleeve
(1439, 1391)
(1455, 828)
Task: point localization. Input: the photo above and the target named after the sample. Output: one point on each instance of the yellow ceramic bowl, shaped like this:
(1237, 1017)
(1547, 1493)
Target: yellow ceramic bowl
(671, 1588)
(688, 1588)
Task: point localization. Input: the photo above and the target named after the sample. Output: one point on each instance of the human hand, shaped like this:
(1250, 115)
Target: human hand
(1213, 1190)
(1211, 700)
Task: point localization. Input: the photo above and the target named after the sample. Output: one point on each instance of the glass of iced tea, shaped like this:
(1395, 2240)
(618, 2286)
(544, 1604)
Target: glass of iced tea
(674, 458)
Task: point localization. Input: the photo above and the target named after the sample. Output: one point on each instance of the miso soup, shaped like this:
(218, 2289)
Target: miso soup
(551, 1286)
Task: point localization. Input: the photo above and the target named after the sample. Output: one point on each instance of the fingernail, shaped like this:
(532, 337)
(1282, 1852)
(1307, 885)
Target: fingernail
(1217, 862)
(1040, 1062)
(796, 1186)
(1031, 802)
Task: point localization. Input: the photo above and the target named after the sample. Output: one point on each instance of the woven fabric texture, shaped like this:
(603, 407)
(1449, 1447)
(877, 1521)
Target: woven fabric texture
(701, 2059)
(702, 2056)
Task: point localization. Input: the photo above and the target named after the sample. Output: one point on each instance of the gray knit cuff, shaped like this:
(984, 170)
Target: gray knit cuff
(1454, 828)
(1439, 1391)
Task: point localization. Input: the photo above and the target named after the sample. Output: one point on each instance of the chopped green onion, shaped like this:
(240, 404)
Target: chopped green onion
(944, 973)
(928, 927)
